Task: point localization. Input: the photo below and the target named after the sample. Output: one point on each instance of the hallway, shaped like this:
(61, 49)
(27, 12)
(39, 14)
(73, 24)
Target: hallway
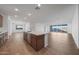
(59, 43)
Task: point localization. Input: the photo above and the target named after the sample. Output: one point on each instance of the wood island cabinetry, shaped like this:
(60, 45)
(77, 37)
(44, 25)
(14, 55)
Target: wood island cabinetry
(35, 41)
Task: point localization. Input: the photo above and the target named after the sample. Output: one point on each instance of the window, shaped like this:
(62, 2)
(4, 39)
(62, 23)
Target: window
(19, 27)
(58, 28)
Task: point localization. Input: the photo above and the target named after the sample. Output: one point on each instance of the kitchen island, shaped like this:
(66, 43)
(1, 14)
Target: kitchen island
(37, 40)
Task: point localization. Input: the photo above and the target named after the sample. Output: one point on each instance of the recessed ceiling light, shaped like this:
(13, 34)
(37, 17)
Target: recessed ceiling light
(29, 14)
(39, 5)
(16, 9)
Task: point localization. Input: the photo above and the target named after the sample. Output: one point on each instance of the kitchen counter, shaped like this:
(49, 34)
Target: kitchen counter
(38, 33)
(1, 34)
(2, 31)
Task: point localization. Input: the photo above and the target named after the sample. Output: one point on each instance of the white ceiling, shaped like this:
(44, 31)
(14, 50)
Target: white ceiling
(37, 15)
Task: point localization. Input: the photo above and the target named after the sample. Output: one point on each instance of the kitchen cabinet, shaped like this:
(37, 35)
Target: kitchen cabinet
(1, 20)
(27, 37)
(37, 41)
(3, 38)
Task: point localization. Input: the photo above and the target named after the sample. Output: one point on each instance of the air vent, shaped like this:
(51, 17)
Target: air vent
(37, 8)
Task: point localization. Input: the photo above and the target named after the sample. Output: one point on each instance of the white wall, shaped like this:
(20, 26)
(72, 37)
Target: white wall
(78, 24)
(4, 28)
(9, 26)
(75, 25)
(62, 17)
(27, 27)
(39, 27)
(12, 25)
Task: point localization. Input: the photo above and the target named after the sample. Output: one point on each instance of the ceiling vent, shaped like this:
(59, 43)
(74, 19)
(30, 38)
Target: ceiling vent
(38, 7)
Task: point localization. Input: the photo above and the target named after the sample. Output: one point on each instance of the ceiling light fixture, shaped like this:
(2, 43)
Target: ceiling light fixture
(39, 5)
(16, 9)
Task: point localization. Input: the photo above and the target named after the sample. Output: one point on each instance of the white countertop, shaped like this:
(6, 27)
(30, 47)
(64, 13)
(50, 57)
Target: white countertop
(2, 32)
(38, 33)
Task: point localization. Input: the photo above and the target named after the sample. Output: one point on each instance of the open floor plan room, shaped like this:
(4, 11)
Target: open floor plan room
(39, 29)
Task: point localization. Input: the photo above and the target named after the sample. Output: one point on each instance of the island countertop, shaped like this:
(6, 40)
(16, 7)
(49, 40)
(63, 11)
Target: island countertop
(37, 40)
(38, 33)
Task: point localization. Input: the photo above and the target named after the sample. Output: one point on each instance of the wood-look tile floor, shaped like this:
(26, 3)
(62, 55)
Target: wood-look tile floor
(59, 44)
